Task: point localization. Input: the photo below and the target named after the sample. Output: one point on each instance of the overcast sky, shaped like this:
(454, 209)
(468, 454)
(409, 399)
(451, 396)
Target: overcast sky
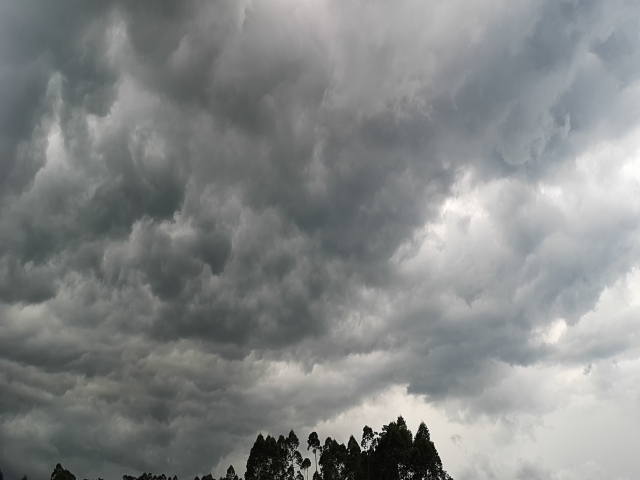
(226, 217)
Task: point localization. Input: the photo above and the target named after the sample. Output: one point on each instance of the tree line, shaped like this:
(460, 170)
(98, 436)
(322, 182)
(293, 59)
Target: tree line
(392, 454)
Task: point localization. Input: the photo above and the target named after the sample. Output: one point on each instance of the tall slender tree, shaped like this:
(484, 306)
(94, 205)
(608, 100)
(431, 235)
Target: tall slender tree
(426, 461)
(306, 464)
(333, 460)
(313, 443)
(354, 460)
(293, 456)
(257, 461)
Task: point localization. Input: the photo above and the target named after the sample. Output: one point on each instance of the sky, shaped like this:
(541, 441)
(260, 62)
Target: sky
(220, 218)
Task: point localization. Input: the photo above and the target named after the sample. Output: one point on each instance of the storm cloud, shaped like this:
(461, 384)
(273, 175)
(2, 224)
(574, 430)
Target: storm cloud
(219, 218)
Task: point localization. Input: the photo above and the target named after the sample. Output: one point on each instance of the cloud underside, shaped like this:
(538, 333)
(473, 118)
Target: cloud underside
(225, 217)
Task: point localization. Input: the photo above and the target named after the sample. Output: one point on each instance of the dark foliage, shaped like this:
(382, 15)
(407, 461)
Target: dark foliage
(149, 476)
(60, 473)
(393, 454)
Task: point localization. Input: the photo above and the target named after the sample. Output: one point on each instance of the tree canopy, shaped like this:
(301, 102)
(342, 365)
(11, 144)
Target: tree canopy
(392, 454)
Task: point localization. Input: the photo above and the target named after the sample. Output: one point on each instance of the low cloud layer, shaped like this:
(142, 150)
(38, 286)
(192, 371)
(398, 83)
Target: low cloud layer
(225, 217)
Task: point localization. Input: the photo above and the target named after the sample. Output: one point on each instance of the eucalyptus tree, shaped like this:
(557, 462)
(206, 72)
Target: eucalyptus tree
(306, 464)
(333, 460)
(313, 443)
(354, 469)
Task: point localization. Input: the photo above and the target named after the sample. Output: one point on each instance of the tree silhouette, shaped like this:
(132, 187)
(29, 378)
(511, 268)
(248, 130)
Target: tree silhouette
(426, 461)
(306, 464)
(257, 461)
(150, 476)
(231, 474)
(367, 438)
(333, 460)
(60, 473)
(393, 454)
(313, 443)
(354, 460)
(368, 443)
(291, 444)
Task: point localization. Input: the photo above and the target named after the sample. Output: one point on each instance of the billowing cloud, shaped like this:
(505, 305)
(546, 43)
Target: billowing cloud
(225, 217)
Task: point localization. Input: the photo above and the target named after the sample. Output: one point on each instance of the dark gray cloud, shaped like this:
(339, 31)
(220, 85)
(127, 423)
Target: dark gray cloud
(225, 217)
